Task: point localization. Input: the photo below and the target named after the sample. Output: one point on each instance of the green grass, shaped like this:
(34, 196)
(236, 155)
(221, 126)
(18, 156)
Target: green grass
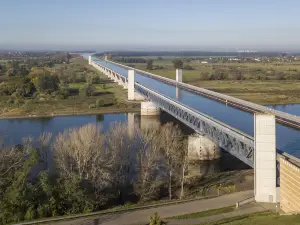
(204, 213)
(258, 91)
(265, 218)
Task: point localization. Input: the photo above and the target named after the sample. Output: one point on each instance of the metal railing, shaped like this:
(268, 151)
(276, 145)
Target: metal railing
(289, 119)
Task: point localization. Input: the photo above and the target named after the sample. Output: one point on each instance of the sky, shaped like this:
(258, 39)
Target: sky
(150, 24)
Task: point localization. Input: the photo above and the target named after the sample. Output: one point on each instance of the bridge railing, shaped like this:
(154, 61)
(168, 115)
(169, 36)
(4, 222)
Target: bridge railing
(222, 97)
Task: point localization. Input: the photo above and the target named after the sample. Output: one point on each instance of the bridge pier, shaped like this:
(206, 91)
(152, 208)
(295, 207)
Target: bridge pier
(150, 122)
(179, 75)
(178, 94)
(265, 159)
(149, 109)
(132, 94)
(201, 148)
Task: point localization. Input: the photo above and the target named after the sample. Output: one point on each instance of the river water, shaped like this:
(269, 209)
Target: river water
(13, 130)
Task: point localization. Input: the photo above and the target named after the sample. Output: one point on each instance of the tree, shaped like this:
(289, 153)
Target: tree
(148, 163)
(184, 161)
(11, 72)
(149, 64)
(88, 90)
(177, 63)
(171, 137)
(46, 83)
(2, 69)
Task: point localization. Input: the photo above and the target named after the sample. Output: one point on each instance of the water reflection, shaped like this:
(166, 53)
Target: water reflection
(16, 129)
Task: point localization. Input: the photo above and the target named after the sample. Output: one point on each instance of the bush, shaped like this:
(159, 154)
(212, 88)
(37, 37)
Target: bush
(100, 103)
(88, 90)
(156, 220)
(93, 79)
(188, 67)
(63, 93)
(47, 83)
(177, 63)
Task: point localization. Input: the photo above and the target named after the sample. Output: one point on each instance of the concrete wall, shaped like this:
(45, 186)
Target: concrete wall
(202, 148)
(149, 109)
(289, 187)
(265, 158)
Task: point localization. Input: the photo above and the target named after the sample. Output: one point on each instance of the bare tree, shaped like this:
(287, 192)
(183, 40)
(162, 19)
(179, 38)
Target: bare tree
(172, 146)
(44, 141)
(184, 161)
(80, 152)
(120, 145)
(149, 161)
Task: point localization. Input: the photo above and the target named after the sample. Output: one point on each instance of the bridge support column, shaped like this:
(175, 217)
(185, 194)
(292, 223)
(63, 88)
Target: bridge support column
(90, 60)
(132, 95)
(150, 122)
(265, 158)
(178, 94)
(178, 75)
(130, 124)
(202, 148)
(149, 109)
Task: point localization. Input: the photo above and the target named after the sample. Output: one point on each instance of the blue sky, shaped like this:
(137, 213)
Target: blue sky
(154, 24)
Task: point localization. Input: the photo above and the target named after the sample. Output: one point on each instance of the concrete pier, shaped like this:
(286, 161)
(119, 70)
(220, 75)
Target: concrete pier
(149, 109)
(132, 95)
(90, 60)
(265, 159)
(150, 122)
(179, 75)
(178, 93)
(202, 148)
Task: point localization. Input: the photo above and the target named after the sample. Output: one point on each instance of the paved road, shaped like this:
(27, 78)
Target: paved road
(142, 216)
(244, 210)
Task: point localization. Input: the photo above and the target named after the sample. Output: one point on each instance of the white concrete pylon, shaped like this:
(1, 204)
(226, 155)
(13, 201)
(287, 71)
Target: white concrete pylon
(179, 75)
(90, 60)
(130, 84)
(265, 158)
(149, 109)
(201, 148)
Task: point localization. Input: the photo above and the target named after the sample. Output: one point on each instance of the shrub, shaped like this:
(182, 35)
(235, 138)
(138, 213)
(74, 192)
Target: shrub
(88, 90)
(46, 83)
(100, 103)
(156, 220)
(188, 67)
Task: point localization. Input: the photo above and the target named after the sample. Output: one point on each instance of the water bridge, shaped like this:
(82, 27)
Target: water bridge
(259, 136)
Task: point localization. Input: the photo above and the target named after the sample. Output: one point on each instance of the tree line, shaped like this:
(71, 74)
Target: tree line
(93, 171)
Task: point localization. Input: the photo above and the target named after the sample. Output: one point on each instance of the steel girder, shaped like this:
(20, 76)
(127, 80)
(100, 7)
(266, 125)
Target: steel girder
(235, 142)
(232, 140)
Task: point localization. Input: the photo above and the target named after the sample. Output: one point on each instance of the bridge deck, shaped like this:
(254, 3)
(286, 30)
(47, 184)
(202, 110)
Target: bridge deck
(288, 138)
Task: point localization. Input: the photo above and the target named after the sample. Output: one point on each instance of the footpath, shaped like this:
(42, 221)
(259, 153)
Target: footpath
(140, 217)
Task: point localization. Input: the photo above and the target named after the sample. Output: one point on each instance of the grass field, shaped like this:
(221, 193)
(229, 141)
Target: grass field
(204, 213)
(265, 218)
(259, 91)
(107, 91)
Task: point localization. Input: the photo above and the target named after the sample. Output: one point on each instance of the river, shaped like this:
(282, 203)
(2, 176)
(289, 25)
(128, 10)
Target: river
(13, 130)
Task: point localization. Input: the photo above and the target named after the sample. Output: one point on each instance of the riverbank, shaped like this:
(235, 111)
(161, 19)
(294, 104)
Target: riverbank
(80, 93)
(83, 113)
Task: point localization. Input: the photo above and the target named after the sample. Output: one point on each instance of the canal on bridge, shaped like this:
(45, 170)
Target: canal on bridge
(288, 138)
